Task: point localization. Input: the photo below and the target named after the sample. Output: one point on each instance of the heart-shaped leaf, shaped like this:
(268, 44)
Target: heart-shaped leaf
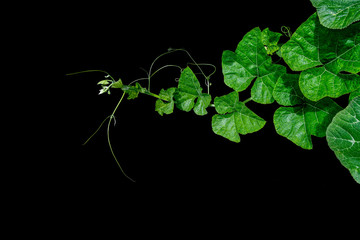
(250, 61)
(234, 118)
(343, 137)
(303, 118)
(329, 59)
(337, 14)
(165, 107)
(188, 91)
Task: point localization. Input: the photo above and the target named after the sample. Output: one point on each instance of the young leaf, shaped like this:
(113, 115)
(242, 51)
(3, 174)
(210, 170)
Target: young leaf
(165, 107)
(337, 14)
(343, 137)
(250, 61)
(104, 89)
(133, 91)
(117, 84)
(234, 118)
(303, 118)
(104, 82)
(188, 91)
(323, 55)
(270, 40)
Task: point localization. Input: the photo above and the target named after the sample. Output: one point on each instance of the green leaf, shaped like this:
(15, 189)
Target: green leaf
(133, 91)
(287, 91)
(104, 89)
(188, 91)
(250, 61)
(117, 84)
(165, 107)
(337, 14)
(324, 55)
(343, 137)
(303, 118)
(104, 82)
(354, 94)
(234, 118)
(270, 40)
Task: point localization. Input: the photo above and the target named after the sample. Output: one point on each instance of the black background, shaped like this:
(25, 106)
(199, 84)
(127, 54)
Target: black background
(178, 152)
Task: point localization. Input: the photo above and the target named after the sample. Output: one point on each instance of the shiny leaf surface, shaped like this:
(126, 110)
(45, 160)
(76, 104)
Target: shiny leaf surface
(329, 59)
(337, 14)
(303, 118)
(249, 61)
(234, 118)
(343, 136)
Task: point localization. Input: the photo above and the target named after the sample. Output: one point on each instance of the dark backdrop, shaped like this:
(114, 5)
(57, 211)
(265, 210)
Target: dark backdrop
(176, 152)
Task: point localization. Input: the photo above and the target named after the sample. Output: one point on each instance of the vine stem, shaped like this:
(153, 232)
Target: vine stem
(108, 138)
(88, 71)
(102, 123)
(112, 116)
(150, 74)
(247, 100)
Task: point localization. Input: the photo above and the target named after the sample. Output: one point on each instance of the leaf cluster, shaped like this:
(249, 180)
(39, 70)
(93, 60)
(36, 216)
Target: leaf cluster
(320, 62)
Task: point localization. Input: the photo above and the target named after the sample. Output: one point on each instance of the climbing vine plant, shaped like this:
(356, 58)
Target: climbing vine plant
(323, 63)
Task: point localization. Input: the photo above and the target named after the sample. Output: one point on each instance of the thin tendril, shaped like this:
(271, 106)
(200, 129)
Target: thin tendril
(150, 74)
(88, 71)
(166, 66)
(143, 69)
(152, 64)
(102, 123)
(286, 31)
(112, 116)
(108, 138)
(195, 63)
(207, 83)
(139, 79)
